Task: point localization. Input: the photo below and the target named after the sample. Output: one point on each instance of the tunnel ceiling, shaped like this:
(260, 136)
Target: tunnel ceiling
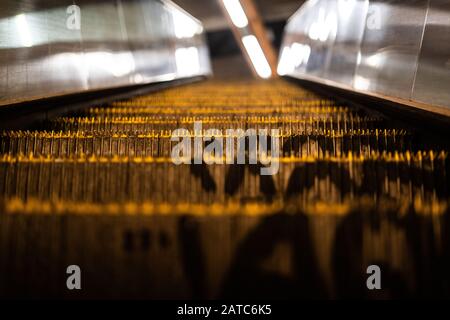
(210, 14)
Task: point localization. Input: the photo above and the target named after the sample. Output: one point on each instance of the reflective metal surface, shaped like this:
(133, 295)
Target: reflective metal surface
(396, 50)
(71, 46)
(390, 48)
(432, 83)
(346, 46)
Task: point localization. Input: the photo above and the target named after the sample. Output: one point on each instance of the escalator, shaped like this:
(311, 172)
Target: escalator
(98, 188)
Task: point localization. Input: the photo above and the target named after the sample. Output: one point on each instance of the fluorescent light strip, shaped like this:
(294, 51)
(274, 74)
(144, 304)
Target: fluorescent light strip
(286, 64)
(185, 26)
(24, 30)
(236, 13)
(257, 56)
(188, 61)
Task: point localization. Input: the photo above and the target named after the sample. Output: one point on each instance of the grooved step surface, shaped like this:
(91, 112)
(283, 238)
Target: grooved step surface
(99, 189)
